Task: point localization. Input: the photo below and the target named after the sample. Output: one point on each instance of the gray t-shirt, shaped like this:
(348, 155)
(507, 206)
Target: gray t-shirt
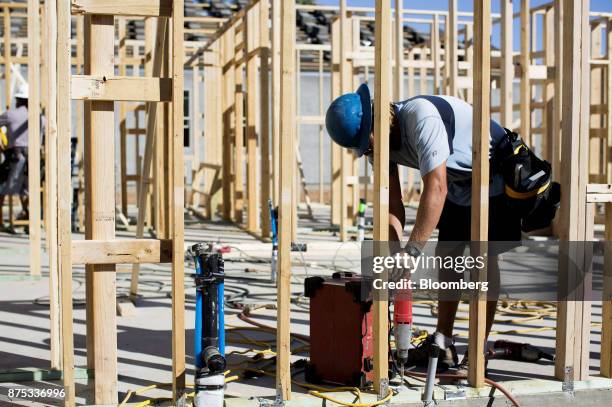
(16, 122)
(435, 129)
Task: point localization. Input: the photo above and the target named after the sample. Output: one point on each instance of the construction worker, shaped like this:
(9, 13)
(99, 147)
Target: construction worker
(432, 134)
(16, 153)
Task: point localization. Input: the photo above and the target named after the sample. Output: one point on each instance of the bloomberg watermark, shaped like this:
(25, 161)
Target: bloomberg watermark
(526, 270)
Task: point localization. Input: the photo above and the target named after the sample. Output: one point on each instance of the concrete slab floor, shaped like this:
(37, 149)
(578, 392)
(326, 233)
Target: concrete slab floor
(144, 340)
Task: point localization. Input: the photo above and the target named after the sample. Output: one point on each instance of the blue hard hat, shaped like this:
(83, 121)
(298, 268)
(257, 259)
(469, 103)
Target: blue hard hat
(349, 120)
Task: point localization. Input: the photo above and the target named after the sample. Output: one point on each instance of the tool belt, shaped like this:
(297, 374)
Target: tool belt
(528, 182)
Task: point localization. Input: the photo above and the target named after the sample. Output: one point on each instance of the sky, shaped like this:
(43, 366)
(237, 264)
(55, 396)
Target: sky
(468, 5)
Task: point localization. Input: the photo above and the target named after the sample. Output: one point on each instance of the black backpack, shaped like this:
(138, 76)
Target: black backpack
(527, 182)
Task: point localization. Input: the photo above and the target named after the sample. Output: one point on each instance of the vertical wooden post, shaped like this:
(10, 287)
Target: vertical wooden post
(228, 121)
(321, 162)
(99, 174)
(344, 87)
(63, 176)
(276, 80)
(153, 146)
(525, 62)
(573, 320)
(608, 155)
(34, 135)
(336, 150)
(507, 67)
(480, 181)
(452, 47)
(549, 86)
(250, 32)
(7, 67)
(196, 132)
(382, 99)
(606, 323)
(435, 54)
(287, 167)
(123, 118)
(50, 192)
(264, 112)
(398, 78)
(239, 131)
(177, 204)
(557, 101)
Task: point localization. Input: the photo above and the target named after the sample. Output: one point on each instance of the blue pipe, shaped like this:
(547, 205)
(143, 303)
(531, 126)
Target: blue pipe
(221, 317)
(198, 319)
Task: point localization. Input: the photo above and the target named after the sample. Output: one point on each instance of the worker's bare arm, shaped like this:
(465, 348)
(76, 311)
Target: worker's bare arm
(431, 204)
(397, 214)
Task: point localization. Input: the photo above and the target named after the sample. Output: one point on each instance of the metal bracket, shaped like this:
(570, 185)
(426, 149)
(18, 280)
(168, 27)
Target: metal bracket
(384, 390)
(457, 393)
(568, 379)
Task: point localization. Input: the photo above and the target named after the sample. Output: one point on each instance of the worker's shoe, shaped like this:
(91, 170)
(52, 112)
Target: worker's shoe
(419, 356)
(461, 372)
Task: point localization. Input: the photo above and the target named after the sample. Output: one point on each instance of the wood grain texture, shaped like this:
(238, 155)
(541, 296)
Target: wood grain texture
(287, 168)
(381, 179)
(63, 177)
(144, 8)
(480, 182)
(121, 251)
(118, 88)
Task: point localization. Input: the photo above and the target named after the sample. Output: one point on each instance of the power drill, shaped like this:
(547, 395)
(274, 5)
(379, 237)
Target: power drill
(402, 322)
(517, 351)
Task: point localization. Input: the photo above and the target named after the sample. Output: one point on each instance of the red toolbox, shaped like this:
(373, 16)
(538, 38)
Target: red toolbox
(341, 347)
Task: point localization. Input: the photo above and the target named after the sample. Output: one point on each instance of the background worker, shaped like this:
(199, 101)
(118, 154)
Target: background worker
(434, 135)
(15, 181)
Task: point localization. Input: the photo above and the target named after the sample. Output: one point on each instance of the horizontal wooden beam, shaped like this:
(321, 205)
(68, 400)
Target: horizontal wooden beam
(121, 251)
(121, 88)
(599, 188)
(141, 8)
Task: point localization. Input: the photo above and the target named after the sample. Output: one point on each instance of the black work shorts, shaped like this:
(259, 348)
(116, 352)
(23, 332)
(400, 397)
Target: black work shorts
(455, 222)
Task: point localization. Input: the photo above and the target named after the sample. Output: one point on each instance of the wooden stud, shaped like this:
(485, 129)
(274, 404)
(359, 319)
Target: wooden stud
(381, 181)
(287, 166)
(121, 30)
(239, 130)
(121, 251)
(144, 8)
(435, 54)
(7, 66)
(336, 150)
(109, 88)
(525, 63)
(276, 80)
(398, 77)
(99, 175)
(251, 119)
(177, 196)
(34, 135)
(344, 87)
(150, 148)
(264, 111)
(549, 87)
(64, 200)
(606, 323)
(608, 155)
(572, 315)
(452, 49)
(480, 182)
(50, 190)
(557, 101)
(228, 122)
(507, 67)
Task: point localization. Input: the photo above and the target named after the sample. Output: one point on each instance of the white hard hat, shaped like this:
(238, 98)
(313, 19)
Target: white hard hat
(22, 91)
